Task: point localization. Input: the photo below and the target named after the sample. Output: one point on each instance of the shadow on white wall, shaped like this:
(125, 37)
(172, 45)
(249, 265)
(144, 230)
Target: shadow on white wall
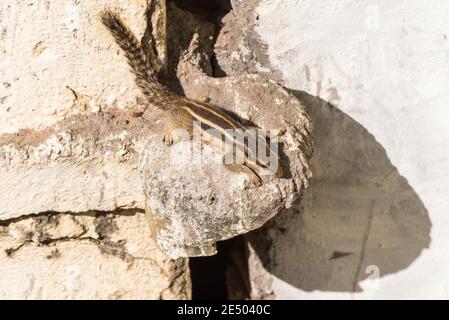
(358, 214)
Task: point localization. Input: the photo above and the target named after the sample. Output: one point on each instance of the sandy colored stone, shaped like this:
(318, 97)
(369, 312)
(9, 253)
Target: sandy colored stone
(71, 123)
(87, 256)
(89, 162)
(195, 203)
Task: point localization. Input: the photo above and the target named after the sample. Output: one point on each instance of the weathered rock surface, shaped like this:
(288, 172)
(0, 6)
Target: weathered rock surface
(87, 256)
(74, 141)
(89, 162)
(239, 48)
(86, 163)
(57, 60)
(67, 146)
(193, 206)
(196, 202)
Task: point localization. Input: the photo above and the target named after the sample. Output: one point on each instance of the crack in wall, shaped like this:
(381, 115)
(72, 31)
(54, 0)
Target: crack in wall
(103, 225)
(90, 213)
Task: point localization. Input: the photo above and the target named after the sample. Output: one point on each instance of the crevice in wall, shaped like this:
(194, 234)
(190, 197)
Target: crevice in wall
(222, 276)
(91, 213)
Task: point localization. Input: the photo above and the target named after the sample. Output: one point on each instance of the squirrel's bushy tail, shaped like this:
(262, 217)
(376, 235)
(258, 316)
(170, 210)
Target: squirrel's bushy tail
(137, 59)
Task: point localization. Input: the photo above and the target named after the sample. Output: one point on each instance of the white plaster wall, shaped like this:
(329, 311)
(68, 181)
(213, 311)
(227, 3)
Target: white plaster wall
(385, 64)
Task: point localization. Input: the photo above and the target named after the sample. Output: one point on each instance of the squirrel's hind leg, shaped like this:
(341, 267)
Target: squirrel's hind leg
(178, 127)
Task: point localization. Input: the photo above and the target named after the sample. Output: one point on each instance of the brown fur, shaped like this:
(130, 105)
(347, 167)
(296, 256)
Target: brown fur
(181, 112)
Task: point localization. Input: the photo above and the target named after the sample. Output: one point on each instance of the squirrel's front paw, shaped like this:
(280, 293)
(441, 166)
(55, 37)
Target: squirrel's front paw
(167, 139)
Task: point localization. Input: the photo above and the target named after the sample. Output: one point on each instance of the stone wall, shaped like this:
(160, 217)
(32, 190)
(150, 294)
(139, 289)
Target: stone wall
(90, 255)
(372, 223)
(71, 207)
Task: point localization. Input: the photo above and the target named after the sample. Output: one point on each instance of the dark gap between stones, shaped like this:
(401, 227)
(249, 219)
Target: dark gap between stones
(222, 276)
